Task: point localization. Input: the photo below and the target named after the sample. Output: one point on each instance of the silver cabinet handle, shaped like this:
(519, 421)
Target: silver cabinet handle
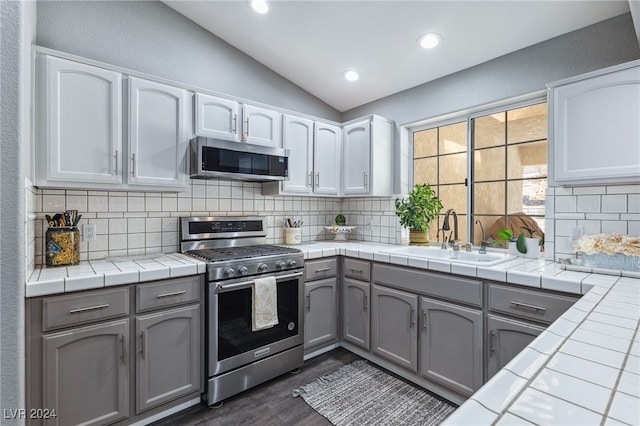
(235, 124)
(309, 179)
(492, 337)
(322, 270)
(424, 320)
(527, 306)
(143, 344)
(365, 303)
(317, 179)
(123, 352)
(175, 293)
(356, 270)
(412, 322)
(247, 121)
(308, 302)
(133, 164)
(89, 308)
(366, 180)
(116, 168)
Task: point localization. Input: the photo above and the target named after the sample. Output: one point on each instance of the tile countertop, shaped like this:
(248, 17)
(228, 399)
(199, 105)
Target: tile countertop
(109, 272)
(583, 369)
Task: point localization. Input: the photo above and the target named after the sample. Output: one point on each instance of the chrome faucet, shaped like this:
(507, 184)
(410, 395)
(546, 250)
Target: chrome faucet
(446, 227)
(483, 243)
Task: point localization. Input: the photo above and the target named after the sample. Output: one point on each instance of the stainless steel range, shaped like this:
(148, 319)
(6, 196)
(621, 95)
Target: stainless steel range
(236, 253)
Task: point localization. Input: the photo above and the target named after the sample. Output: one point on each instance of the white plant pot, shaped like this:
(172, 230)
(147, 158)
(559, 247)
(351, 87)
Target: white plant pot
(513, 250)
(533, 248)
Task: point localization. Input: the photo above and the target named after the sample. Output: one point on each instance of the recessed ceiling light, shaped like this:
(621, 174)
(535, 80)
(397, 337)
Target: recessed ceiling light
(351, 75)
(260, 6)
(430, 40)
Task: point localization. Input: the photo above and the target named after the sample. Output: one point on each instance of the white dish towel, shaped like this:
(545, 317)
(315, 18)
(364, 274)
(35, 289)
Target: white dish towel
(265, 303)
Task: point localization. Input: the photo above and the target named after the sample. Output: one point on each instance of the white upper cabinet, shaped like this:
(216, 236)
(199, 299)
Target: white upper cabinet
(157, 139)
(227, 119)
(217, 117)
(79, 127)
(367, 157)
(298, 139)
(262, 126)
(326, 159)
(79, 135)
(595, 127)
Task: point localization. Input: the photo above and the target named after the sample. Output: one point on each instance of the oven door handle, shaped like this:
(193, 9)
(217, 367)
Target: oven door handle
(220, 287)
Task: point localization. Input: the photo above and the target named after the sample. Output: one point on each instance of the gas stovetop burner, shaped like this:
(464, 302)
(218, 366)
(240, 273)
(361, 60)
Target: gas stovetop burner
(243, 252)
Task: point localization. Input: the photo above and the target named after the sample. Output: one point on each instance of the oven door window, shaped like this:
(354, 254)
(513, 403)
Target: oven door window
(235, 317)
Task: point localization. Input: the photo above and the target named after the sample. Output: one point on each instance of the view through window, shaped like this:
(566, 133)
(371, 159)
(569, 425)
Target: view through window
(496, 173)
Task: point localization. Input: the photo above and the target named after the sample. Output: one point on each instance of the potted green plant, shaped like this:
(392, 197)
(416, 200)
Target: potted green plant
(530, 246)
(417, 211)
(505, 237)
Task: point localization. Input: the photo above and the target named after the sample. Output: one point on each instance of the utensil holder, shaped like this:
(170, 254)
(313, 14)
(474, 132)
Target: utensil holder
(293, 235)
(62, 246)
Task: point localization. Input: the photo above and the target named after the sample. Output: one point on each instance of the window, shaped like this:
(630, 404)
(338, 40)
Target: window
(505, 153)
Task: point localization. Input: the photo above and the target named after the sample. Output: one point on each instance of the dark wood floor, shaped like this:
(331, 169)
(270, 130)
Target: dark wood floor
(269, 404)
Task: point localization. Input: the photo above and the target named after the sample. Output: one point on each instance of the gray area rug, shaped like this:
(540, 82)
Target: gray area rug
(360, 394)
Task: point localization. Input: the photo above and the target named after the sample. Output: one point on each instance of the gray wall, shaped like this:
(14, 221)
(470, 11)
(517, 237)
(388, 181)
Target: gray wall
(17, 32)
(525, 71)
(150, 37)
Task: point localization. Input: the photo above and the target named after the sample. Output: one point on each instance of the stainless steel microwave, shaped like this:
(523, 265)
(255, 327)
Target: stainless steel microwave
(217, 158)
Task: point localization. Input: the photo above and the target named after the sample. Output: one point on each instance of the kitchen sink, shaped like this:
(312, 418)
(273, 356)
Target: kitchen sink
(448, 255)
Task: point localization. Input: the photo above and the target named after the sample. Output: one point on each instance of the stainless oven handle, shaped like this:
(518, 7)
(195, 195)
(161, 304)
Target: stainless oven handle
(226, 287)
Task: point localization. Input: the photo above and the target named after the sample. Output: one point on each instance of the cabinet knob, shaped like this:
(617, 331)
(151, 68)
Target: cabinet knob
(230, 272)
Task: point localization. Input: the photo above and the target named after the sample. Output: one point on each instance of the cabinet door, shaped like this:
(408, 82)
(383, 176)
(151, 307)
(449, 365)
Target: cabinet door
(157, 144)
(81, 131)
(451, 345)
(355, 312)
(168, 352)
(298, 139)
(356, 149)
(321, 312)
(217, 117)
(595, 135)
(394, 333)
(262, 126)
(86, 374)
(326, 159)
(506, 338)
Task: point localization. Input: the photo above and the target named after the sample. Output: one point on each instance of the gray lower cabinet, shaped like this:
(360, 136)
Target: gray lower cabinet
(355, 312)
(394, 335)
(168, 356)
(506, 338)
(451, 345)
(321, 312)
(85, 374)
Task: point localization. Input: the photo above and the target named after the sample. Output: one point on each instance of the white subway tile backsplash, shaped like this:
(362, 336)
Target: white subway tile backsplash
(588, 203)
(614, 203)
(566, 204)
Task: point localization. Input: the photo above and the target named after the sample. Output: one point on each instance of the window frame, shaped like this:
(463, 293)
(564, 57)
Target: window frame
(469, 115)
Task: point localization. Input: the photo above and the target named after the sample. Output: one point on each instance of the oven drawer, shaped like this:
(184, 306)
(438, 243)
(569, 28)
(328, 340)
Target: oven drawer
(72, 310)
(318, 269)
(167, 293)
(535, 305)
(358, 269)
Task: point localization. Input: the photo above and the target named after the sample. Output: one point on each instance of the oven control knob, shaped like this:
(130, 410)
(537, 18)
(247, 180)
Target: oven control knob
(281, 265)
(229, 272)
(243, 270)
(262, 267)
(291, 264)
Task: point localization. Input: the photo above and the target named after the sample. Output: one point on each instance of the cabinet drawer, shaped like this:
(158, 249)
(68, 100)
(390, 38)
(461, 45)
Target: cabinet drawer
(318, 269)
(63, 311)
(167, 293)
(545, 307)
(447, 287)
(358, 269)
